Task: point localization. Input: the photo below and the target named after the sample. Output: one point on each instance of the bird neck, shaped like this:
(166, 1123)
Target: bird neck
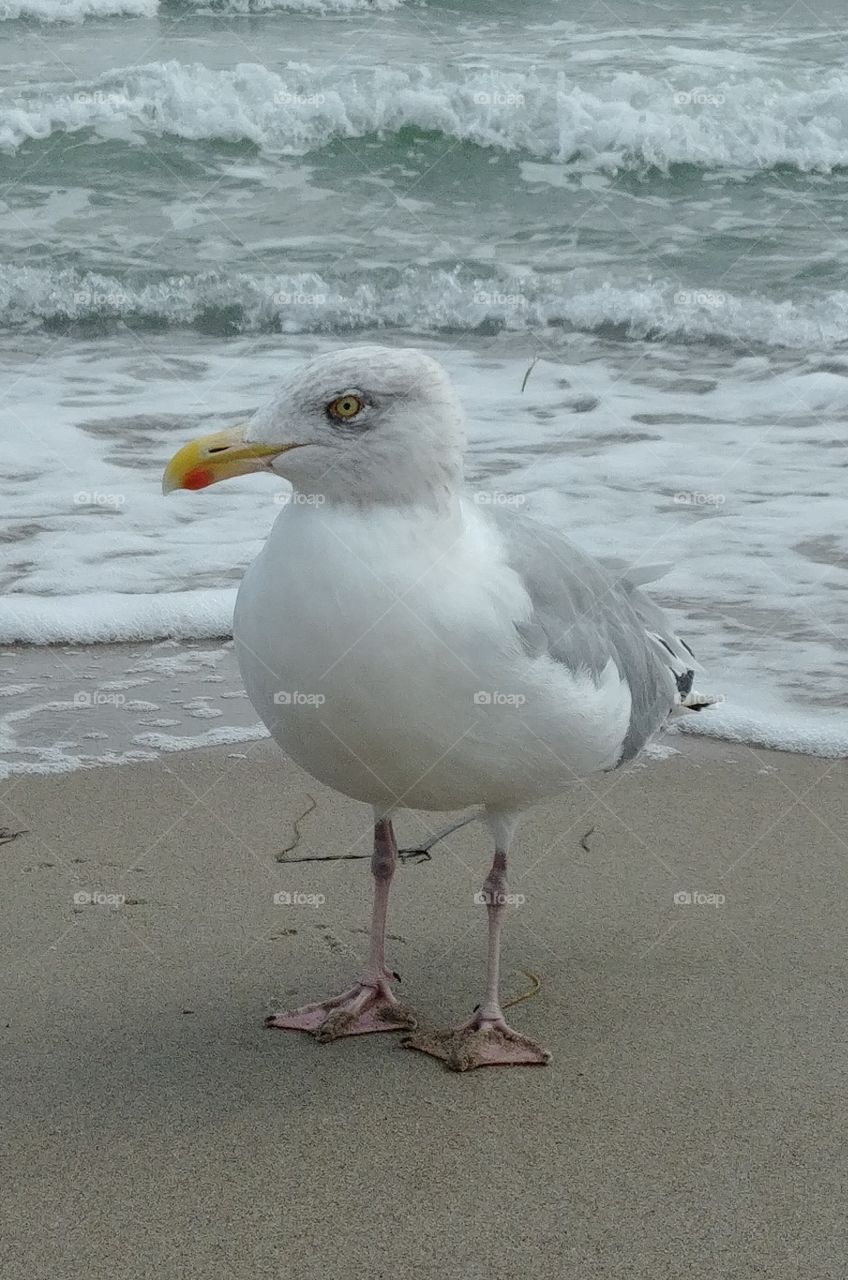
(436, 518)
(432, 493)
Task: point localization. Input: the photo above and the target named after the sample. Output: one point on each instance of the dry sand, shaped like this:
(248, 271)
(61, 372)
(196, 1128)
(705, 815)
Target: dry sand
(692, 1122)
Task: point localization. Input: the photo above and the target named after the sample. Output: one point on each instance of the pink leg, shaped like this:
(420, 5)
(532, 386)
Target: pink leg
(369, 1005)
(485, 1039)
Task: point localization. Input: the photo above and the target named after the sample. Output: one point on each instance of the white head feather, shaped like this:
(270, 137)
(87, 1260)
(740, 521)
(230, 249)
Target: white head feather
(404, 446)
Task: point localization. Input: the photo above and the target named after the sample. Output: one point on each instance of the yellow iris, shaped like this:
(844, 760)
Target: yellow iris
(347, 406)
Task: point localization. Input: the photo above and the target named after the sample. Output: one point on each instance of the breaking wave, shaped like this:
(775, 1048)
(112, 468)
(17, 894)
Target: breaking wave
(628, 122)
(419, 298)
(48, 11)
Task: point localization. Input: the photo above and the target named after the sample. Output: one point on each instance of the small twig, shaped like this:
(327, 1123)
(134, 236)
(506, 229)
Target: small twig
(6, 835)
(533, 364)
(423, 850)
(423, 855)
(527, 995)
(326, 857)
(281, 856)
(403, 854)
(583, 842)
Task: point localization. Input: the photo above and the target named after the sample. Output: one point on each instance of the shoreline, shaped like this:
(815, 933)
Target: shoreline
(694, 1043)
(75, 707)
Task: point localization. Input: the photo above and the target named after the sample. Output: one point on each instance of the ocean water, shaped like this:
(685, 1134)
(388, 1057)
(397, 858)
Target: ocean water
(646, 200)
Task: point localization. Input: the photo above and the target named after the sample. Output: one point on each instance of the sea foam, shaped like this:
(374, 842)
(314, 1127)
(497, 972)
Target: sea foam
(75, 10)
(630, 121)
(428, 300)
(49, 11)
(103, 617)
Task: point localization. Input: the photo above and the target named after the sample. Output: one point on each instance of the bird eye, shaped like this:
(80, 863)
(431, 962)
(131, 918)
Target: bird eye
(345, 407)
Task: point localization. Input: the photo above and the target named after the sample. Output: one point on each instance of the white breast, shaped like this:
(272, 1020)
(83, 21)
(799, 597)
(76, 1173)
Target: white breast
(381, 652)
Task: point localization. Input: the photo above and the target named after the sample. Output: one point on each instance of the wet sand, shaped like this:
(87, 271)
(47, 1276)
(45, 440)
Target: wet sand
(692, 1121)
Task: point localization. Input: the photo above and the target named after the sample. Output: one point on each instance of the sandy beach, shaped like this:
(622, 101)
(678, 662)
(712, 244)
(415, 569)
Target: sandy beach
(691, 1121)
(403, 290)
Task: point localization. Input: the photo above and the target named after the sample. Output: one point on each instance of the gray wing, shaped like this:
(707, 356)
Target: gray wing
(586, 612)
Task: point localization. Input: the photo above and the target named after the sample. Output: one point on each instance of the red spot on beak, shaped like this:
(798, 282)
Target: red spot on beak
(199, 478)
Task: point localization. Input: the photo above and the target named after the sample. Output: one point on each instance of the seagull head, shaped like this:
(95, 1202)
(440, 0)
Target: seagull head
(363, 425)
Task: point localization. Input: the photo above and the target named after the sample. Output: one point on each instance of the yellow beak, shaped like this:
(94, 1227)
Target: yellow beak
(217, 457)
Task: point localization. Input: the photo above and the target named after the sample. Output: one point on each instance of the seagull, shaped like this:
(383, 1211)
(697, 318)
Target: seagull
(412, 645)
